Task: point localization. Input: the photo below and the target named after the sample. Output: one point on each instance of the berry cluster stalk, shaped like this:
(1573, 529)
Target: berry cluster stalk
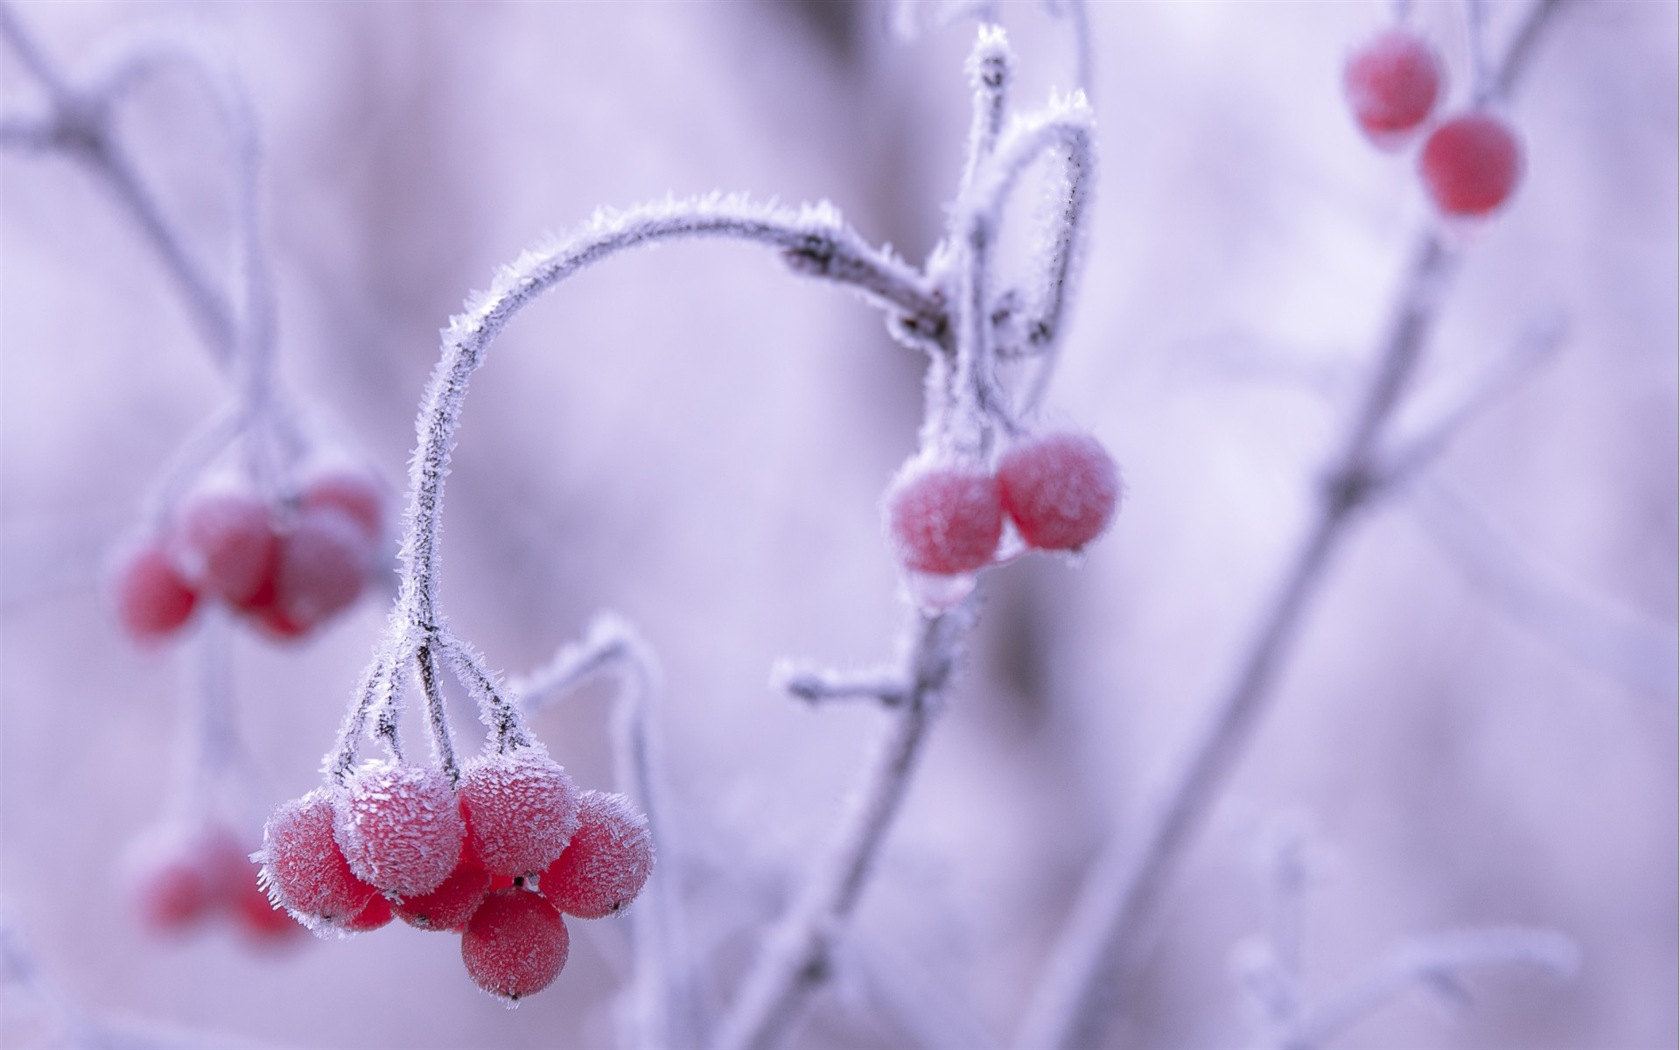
(1105, 935)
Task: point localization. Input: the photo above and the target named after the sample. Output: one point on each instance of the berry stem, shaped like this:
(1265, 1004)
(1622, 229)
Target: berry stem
(814, 241)
(213, 738)
(991, 71)
(1104, 937)
(499, 715)
(437, 719)
(795, 956)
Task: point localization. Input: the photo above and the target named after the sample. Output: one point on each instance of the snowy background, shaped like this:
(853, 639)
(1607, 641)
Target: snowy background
(1477, 728)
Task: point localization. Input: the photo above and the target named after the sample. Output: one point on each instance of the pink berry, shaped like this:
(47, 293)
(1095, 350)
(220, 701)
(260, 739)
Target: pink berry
(1471, 164)
(304, 870)
(323, 564)
(350, 492)
(153, 600)
(521, 810)
(607, 862)
(1061, 490)
(515, 944)
(944, 520)
(449, 906)
(181, 873)
(1392, 83)
(227, 543)
(400, 827)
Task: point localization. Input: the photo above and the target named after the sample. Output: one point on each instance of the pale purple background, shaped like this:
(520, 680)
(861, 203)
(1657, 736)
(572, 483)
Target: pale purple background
(698, 440)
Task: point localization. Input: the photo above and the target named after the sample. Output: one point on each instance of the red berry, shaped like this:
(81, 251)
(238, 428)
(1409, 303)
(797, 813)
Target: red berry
(944, 520)
(1470, 164)
(153, 600)
(449, 906)
(1061, 490)
(607, 862)
(323, 564)
(227, 544)
(352, 493)
(515, 944)
(377, 913)
(304, 870)
(400, 827)
(181, 873)
(1392, 83)
(521, 810)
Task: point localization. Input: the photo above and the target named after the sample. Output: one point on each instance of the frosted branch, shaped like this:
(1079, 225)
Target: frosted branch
(991, 70)
(1065, 124)
(795, 956)
(498, 714)
(815, 684)
(437, 718)
(1104, 936)
(814, 240)
(1532, 348)
(80, 127)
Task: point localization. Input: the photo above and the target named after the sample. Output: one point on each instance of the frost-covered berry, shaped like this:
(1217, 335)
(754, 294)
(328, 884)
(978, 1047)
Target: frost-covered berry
(1061, 490)
(153, 600)
(377, 913)
(449, 906)
(303, 868)
(180, 874)
(350, 492)
(607, 862)
(1471, 164)
(323, 564)
(400, 827)
(226, 543)
(515, 944)
(521, 810)
(944, 520)
(1392, 83)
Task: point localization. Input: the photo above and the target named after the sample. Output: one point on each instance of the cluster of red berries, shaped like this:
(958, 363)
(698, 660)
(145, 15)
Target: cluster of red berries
(1470, 164)
(496, 858)
(183, 874)
(1059, 490)
(287, 566)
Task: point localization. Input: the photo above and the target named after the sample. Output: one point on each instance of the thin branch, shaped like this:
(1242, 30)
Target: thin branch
(814, 240)
(498, 714)
(1536, 345)
(1105, 935)
(1065, 124)
(437, 718)
(815, 684)
(795, 957)
(81, 128)
(991, 71)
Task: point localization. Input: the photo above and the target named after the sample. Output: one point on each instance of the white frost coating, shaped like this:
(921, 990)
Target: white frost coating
(400, 827)
(812, 239)
(606, 864)
(521, 810)
(303, 868)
